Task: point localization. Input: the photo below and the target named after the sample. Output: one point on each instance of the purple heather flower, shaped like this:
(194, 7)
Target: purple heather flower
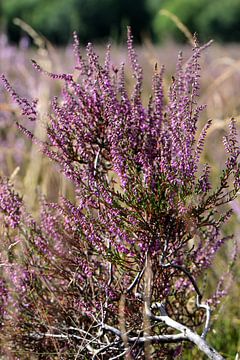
(10, 204)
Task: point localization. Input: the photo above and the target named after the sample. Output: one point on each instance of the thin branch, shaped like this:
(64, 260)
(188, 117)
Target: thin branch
(198, 297)
(96, 161)
(39, 336)
(168, 338)
(208, 317)
(135, 280)
(187, 273)
(119, 356)
(188, 333)
(102, 350)
(112, 330)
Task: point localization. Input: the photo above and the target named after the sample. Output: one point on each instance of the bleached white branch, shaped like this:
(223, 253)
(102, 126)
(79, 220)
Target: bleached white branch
(207, 309)
(199, 303)
(135, 280)
(186, 334)
(169, 338)
(186, 331)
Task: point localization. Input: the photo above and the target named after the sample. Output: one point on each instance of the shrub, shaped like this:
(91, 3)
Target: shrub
(113, 274)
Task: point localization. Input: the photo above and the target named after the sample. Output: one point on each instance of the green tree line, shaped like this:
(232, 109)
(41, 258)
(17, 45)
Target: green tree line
(92, 19)
(216, 19)
(98, 20)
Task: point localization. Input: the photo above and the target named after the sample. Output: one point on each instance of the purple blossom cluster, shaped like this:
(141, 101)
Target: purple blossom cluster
(143, 206)
(10, 204)
(13, 148)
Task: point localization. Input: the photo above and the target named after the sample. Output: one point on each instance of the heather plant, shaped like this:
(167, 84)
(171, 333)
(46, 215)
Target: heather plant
(12, 147)
(17, 154)
(114, 274)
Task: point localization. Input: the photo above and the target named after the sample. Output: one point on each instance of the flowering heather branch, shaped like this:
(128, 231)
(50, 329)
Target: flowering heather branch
(143, 206)
(10, 204)
(28, 109)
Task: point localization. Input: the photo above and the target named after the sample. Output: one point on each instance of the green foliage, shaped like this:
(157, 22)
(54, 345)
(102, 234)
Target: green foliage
(92, 19)
(220, 20)
(95, 20)
(217, 19)
(185, 10)
(54, 19)
(225, 336)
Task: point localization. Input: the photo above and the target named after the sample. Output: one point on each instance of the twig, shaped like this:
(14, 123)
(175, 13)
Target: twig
(198, 297)
(135, 280)
(188, 333)
(96, 161)
(208, 317)
(168, 338)
(187, 273)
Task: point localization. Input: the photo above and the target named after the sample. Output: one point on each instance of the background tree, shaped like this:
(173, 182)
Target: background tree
(92, 19)
(217, 19)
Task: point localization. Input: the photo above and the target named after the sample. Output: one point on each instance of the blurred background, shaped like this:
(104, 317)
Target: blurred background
(42, 30)
(97, 20)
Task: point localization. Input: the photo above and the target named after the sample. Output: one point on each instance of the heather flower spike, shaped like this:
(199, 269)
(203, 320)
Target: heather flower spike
(28, 108)
(10, 204)
(145, 226)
